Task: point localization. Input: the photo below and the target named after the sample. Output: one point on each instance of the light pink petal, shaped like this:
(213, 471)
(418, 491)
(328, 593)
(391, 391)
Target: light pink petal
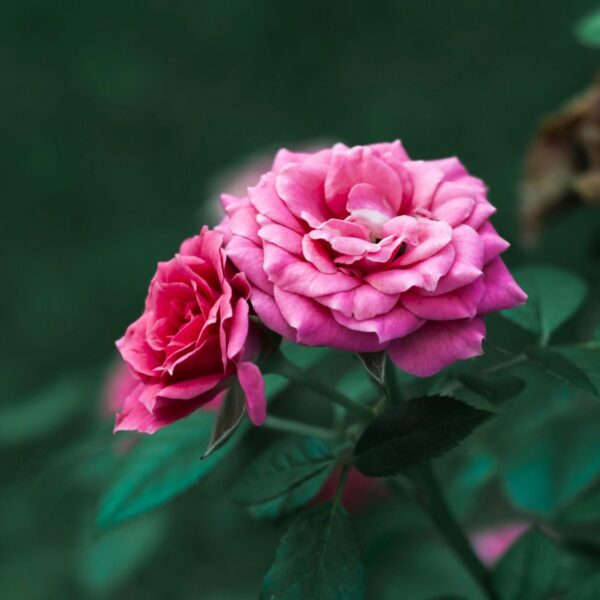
(285, 157)
(360, 165)
(294, 275)
(265, 200)
(366, 198)
(404, 227)
(315, 253)
(432, 237)
(315, 325)
(437, 345)
(493, 244)
(253, 384)
(281, 236)
(242, 218)
(300, 186)
(266, 308)
(468, 262)
(389, 326)
(459, 304)
(390, 151)
(425, 274)
(248, 258)
(425, 179)
(365, 302)
(238, 329)
(501, 290)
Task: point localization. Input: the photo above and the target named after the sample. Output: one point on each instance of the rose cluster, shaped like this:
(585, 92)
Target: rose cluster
(360, 249)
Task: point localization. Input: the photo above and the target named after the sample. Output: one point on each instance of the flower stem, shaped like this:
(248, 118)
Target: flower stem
(281, 365)
(433, 502)
(289, 426)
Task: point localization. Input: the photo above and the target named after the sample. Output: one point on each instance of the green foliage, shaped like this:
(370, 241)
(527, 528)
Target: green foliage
(588, 590)
(578, 366)
(111, 557)
(588, 29)
(528, 569)
(318, 557)
(415, 432)
(582, 509)
(159, 468)
(495, 388)
(554, 296)
(284, 466)
(230, 415)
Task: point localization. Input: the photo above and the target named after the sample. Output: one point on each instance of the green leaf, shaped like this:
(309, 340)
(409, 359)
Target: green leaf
(285, 465)
(578, 366)
(587, 30)
(554, 296)
(583, 509)
(293, 499)
(229, 417)
(111, 558)
(588, 590)
(159, 468)
(528, 569)
(414, 432)
(374, 363)
(318, 558)
(495, 388)
(43, 412)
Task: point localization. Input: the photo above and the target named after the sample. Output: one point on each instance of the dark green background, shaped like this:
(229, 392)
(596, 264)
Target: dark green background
(116, 116)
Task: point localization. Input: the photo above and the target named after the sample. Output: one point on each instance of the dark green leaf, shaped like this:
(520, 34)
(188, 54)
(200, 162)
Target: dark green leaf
(589, 590)
(528, 569)
(414, 432)
(318, 558)
(588, 29)
(230, 415)
(578, 366)
(554, 296)
(160, 467)
(285, 465)
(495, 388)
(583, 509)
(293, 499)
(374, 363)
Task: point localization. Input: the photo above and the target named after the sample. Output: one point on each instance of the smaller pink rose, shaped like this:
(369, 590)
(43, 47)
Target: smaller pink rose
(192, 340)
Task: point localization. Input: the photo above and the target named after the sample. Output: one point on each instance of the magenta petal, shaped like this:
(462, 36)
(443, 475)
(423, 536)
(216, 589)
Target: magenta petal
(191, 388)
(365, 302)
(432, 237)
(134, 415)
(437, 345)
(426, 179)
(316, 254)
(315, 325)
(459, 304)
(268, 311)
(493, 244)
(281, 236)
(501, 290)
(394, 324)
(135, 349)
(294, 275)
(253, 384)
(248, 258)
(238, 329)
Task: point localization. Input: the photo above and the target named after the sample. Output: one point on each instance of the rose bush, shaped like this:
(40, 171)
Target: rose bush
(363, 249)
(193, 338)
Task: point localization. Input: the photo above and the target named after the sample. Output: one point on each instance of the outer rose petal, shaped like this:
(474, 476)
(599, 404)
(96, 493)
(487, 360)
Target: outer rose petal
(268, 311)
(254, 387)
(501, 290)
(437, 345)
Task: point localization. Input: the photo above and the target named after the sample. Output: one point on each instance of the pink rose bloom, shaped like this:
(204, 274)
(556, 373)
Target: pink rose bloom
(119, 383)
(363, 249)
(491, 544)
(193, 338)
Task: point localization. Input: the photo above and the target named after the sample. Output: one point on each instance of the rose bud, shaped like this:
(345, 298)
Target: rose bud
(193, 338)
(364, 249)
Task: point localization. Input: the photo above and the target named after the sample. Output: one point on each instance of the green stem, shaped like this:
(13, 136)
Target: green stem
(433, 502)
(289, 370)
(289, 426)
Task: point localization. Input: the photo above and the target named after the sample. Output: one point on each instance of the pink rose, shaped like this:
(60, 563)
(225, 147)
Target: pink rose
(364, 249)
(491, 544)
(192, 339)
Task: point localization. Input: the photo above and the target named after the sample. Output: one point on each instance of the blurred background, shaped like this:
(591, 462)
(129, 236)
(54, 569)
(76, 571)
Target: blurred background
(120, 122)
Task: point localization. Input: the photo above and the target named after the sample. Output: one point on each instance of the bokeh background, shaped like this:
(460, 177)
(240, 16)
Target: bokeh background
(118, 120)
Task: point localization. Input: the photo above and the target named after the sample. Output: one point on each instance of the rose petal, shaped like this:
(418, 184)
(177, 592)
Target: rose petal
(253, 384)
(501, 290)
